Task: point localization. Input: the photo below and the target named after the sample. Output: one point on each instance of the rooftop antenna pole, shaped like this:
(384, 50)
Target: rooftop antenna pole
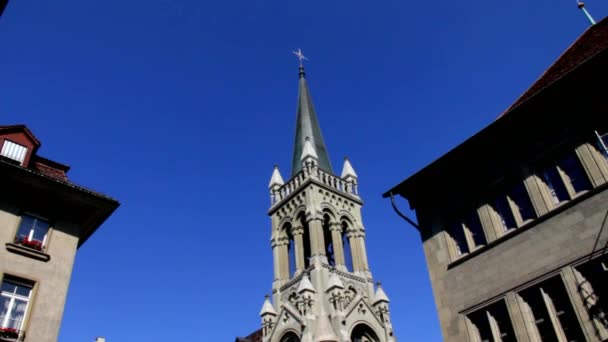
(581, 6)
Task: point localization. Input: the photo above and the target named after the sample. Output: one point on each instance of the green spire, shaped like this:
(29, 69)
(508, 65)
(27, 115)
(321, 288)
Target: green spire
(307, 126)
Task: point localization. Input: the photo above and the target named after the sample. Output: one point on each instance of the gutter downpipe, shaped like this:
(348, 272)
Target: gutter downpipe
(407, 219)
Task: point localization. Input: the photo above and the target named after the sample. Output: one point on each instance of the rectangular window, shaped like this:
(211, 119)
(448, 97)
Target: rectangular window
(460, 242)
(14, 151)
(550, 313)
(467, 234)
(566, 178)
(502, 208)
(472, 225)
(14, 302)
(514, 208)
(491, 324)
(33, 232)
(522, 204)
(592, 280)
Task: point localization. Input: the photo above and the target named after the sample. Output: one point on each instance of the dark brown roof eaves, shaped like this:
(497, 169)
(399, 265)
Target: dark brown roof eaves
(66, 183)
(590, 43)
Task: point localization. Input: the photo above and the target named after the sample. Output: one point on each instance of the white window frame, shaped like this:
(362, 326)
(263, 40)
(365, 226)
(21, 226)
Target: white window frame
(14, 151)
(31, 233)
(13, 297)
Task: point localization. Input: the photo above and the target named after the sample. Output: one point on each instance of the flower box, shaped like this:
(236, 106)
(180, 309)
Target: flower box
(9, 333)
(25, 241)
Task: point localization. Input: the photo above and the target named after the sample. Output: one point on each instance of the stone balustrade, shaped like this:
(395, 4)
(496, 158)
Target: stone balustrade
(312, 172)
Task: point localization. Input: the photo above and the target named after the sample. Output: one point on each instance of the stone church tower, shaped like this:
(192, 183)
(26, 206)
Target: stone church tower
(323, 288)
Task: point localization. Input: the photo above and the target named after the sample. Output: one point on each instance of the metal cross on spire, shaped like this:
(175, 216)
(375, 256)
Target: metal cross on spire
(300, 56)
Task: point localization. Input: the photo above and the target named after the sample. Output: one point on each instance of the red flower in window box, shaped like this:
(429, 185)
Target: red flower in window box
(35, 244)
(11, 333)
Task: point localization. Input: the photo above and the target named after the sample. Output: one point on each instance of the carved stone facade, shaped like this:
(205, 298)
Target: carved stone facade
(323, 288)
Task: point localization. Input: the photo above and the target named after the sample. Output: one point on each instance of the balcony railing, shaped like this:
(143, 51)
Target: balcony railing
(348, 187)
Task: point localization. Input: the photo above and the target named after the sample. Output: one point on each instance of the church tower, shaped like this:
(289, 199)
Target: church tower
(323, 290)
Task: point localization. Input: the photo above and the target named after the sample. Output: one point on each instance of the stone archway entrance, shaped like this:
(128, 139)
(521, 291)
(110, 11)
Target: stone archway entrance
(290, 337)
(363, 333)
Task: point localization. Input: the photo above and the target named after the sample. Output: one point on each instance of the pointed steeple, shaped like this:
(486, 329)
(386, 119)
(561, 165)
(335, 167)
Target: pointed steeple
(380, 296)
(276, 179)
(306, 285)
(307, 125)
(267, 308)
(347, 170)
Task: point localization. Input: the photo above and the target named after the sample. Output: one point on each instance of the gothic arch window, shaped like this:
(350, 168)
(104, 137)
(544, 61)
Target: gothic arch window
(291, 250)
(290, 337)
(305, 238)
(348, 256)
(363, 333)
(329, 246)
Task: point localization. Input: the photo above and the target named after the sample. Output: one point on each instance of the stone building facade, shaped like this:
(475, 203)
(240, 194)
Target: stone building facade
(44, 219)
(323, 288)
(514, 220)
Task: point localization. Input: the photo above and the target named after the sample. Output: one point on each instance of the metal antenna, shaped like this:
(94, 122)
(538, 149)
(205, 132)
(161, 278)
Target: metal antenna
(581, 6)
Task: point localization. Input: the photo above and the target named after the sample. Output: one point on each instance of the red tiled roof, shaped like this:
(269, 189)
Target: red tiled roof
(591, 42)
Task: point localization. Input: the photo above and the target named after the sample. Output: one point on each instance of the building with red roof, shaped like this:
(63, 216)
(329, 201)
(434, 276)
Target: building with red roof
(513, 221)
(44, 219)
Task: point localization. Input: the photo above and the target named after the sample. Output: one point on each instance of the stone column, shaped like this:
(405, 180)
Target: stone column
(573, 279)
(354, 250)
(284, 258)
(487, 224)
(336, 240)
(595, 167)
(276, 259)
(317, 241)
(298, 237)
(517, 318)
(362, 250)
(539, 195)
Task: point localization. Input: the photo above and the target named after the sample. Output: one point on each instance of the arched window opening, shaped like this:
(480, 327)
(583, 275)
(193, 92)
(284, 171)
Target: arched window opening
(348, 257)
(329, 246)
(292, 257)
(291, 250)
(290, 337)
(305, 240)
(363, 333)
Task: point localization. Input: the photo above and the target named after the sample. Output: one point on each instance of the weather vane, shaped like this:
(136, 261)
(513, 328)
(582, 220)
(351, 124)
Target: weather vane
(300, 56)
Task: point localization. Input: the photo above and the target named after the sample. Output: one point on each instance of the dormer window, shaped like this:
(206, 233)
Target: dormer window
(14, 151)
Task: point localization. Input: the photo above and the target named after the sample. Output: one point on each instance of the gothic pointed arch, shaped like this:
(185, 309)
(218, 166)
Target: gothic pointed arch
(363, 333)
(290, 336)
(329, 244)
(291, 248)
(348, 255)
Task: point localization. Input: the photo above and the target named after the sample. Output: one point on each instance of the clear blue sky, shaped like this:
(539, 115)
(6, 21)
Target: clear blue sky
(180, 108)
